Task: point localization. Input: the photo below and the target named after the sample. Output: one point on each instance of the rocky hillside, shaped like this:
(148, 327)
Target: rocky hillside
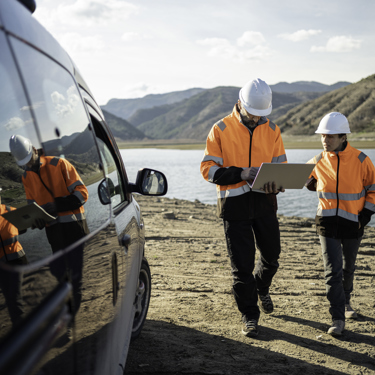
(356, 101)
(124, 108)
(193, 113)
(306, 86)
(122, 129)
(192, 118)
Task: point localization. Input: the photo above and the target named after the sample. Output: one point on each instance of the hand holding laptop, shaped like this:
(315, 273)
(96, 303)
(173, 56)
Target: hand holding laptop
(275, 177)
(249, 175)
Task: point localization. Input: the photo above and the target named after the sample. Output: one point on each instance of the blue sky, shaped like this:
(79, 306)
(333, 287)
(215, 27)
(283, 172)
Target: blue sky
(128, 49)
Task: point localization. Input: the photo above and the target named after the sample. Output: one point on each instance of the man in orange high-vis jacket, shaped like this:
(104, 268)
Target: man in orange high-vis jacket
(12, 253)
(236, 147)
(344, 179)
(54, 184)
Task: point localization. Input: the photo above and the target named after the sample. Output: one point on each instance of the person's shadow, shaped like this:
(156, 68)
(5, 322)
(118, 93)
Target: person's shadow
(168, 348)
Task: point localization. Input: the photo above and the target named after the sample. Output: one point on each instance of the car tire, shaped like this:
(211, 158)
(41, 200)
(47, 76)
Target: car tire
(142, 299)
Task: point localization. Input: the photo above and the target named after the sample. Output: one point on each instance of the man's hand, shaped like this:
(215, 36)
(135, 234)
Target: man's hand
(248, 174)
(38, 223)
(50, 208)
(270, 188)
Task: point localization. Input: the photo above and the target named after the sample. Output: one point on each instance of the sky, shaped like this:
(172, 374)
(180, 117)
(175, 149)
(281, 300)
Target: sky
(129, 49)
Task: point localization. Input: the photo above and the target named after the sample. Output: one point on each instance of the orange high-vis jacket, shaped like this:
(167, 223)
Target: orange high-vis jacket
(9, 237)
(57, 178)
(345, 186)
(231, 144)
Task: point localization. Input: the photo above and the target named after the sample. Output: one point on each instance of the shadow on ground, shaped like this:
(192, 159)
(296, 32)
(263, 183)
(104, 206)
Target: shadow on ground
(184, 350)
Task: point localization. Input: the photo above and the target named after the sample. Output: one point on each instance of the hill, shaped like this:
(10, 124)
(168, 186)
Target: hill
(190, 114)
(193, 117)
(355, 101)
(124, 108)
(122, 129)
(306, 86)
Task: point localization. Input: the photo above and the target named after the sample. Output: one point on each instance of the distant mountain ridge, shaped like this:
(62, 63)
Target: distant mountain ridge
(124, 108)
(192, 118)
(295, 112)
(306, 86)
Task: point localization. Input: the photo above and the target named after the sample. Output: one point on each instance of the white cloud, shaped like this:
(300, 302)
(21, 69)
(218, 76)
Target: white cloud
(14, 123)
(132, 36)
(138, 90)
(75, 42)
(299, 35)
(338, 44)
(65, 105)
(87, 13)
(251, 46)
(250, 38)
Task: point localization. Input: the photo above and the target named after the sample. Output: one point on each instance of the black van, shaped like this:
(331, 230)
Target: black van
(69, 303)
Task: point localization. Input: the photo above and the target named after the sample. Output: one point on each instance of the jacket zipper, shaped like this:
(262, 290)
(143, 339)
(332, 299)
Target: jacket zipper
(251, 142)
(337, 184)
(337, 193)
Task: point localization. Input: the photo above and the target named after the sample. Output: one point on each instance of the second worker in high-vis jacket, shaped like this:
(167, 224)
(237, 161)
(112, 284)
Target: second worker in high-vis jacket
(236, 147)
(344, 179)
(54, 184)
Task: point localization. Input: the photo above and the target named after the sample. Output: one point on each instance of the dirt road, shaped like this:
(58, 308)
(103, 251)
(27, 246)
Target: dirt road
(194, 326)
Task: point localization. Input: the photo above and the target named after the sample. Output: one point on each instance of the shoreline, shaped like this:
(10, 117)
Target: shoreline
(357, 140)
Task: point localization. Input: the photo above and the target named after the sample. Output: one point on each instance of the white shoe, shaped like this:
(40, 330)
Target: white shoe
(350, 313)
(337, 328)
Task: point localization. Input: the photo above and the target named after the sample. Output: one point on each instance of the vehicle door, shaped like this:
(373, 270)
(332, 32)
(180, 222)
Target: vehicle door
(125, 215)
(61, 313)
(36, 289)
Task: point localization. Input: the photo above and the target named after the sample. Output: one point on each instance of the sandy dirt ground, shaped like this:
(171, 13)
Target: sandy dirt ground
(194, 327)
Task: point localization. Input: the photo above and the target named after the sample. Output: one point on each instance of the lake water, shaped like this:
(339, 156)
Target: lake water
(181, 168)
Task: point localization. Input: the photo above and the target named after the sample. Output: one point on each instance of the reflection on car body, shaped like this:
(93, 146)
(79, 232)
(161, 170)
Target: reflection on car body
(67, 306)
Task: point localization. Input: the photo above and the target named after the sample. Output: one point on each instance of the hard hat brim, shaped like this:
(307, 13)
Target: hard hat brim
(257, 112)
(326, 131)
(24, 161)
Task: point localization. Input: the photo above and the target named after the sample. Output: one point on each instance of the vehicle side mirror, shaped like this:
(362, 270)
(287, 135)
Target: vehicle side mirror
(106, 190)
(150, 182)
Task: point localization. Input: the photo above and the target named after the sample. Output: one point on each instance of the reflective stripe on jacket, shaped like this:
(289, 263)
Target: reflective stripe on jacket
(345, 186)
(57, 178)
(231, 144)
(9, 237)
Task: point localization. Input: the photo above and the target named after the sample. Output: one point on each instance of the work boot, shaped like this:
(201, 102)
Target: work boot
(337, 328)
(349, 312)
(250, 328)
(265, 303)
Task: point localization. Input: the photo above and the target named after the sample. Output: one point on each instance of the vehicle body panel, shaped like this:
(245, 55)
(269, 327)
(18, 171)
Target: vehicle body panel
(69, 310)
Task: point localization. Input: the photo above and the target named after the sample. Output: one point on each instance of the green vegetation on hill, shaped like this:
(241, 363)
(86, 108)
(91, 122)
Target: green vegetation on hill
(297, 113)
(193, 118)
(122, 129)
(306, 86)
(356, 102)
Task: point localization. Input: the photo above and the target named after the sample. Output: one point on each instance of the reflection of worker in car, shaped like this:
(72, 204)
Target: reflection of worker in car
(11, 252)
(54, 184)
(153, 183)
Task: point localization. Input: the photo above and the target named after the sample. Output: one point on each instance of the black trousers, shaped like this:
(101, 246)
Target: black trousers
(339, 256)
(242, 237)
(11, 286)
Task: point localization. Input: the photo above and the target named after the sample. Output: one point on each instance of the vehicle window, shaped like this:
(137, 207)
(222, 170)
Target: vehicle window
(15, 118)
(64, 171)
(111, 169)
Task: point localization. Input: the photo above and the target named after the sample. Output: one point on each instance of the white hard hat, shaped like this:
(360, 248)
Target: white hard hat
(333, 123)
(256, 97)
(21, 148)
